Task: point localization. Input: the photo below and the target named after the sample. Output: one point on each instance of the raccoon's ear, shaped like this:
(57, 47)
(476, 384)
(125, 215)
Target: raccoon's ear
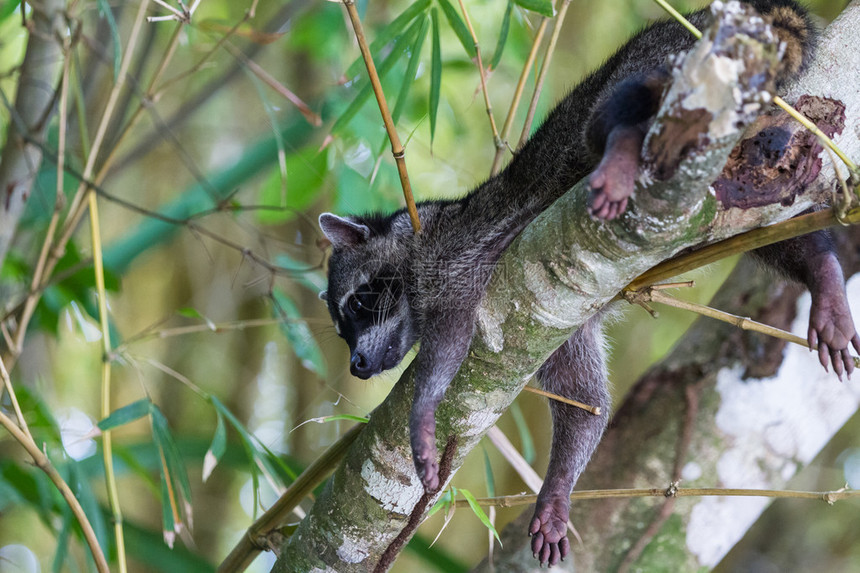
(323, 295)
(343, 232)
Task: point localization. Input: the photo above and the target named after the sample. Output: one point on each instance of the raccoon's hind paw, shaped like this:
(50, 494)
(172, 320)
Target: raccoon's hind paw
(608, 199)
(548, 530)
(831, 328)
(613, 181)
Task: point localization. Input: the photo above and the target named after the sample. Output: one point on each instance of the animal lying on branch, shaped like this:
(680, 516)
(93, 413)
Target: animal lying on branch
(389, 288)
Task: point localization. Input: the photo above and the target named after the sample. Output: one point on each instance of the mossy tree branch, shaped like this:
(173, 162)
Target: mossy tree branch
(561, 270)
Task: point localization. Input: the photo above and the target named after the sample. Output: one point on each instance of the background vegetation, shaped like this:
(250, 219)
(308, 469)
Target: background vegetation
(232, 131)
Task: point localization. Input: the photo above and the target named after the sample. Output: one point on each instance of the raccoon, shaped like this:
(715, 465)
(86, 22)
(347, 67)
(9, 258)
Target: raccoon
(389, 287)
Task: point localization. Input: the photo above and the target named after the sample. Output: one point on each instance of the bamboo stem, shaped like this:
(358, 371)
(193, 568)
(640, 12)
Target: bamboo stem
(396, 147)
(44, 464)
(550, 50)
(496, 139)
(518, 93)
(829, 497)
(591, 409)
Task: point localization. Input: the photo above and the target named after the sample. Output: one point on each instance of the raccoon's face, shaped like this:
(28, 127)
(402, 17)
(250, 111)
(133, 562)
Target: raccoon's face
(366, 297)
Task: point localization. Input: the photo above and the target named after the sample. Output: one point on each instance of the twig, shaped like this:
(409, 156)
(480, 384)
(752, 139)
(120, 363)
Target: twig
(497, 141)
(44, 464)
(829, 497)
(544, 68)
(396, 147)
(255, 538)
(518, 92)
(744, 323)
(591, 409)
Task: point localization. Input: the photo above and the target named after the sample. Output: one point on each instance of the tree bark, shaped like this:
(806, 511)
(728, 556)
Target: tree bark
(562, 269)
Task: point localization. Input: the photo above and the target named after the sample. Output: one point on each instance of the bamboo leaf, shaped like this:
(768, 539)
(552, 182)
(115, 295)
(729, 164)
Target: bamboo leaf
(411, 69)
(459, 27)
(389, 32)
(104, 10)
(503, 36)
(435, 74)
(126, 414)
(297, 333)
(528, 445)
(382, 70)
(217, 449)
(476, 509)
(488, 475)
(542, 7)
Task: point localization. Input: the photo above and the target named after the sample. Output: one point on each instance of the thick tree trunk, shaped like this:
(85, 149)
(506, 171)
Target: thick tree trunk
(562, 269)
(726, 408)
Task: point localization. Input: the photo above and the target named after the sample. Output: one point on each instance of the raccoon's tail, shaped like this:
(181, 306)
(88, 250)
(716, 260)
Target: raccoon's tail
(795, 29)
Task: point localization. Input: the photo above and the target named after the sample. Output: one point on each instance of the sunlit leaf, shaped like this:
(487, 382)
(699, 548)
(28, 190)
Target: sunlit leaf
(503, 36)
(459, 27)
(217, 449)
(479, 512)
(446, 500)
(435, 74)
(126, 414)
(542, 7)
(8, 7)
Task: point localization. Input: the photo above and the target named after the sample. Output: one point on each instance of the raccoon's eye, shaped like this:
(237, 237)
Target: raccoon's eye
(354, 304)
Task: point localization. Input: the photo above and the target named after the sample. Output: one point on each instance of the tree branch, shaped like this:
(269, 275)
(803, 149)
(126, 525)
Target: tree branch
(561, 270)
(34, 105)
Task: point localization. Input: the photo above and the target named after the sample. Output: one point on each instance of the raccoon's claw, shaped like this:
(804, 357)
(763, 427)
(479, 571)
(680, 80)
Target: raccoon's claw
(548, 530)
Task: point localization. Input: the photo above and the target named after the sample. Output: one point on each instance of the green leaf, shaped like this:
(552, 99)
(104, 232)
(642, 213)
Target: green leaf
(476, 509)
(542, 7)
(444, 501)
(528, 445)
(104, 10)
(176, 489)
(488, 475)
(8, 8)
(389, 32)
(126, 414)
(411, 69)
(217, 449)
(382, 70)
(435, 74)
(306, 172)
(459, 27)
(503, 36)
(297, 332)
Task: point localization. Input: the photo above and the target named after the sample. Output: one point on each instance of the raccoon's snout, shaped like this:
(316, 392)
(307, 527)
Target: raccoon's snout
(361, 367)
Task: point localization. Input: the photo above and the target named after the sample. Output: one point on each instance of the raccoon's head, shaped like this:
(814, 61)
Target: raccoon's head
(366, 295)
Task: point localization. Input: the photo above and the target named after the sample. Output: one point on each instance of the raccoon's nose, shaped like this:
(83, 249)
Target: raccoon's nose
(360, 367)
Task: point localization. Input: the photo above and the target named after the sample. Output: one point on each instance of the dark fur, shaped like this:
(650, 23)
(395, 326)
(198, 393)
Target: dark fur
(437, 278)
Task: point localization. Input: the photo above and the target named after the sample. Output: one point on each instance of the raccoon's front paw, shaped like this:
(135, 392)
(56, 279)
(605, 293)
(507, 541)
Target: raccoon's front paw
(548, 530)
(427, 467)
(832, 329)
